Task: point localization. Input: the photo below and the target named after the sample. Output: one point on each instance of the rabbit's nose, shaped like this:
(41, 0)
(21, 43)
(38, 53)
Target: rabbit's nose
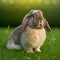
(40, 24)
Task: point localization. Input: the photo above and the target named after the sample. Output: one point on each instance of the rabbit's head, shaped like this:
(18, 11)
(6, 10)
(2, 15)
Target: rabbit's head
(35, 19)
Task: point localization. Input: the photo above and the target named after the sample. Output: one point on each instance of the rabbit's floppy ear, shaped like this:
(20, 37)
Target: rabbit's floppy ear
(47, 27)
(25, 21)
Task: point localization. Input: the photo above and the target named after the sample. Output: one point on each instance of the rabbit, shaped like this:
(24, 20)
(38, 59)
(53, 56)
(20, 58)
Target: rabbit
(31, 34)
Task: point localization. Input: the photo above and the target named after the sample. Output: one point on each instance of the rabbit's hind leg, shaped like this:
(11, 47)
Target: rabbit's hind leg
(12, 45)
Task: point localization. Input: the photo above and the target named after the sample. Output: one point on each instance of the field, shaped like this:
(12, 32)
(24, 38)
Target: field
(50, 49)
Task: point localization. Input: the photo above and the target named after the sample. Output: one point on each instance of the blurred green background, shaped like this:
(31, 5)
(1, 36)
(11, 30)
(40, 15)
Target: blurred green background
(13, 11)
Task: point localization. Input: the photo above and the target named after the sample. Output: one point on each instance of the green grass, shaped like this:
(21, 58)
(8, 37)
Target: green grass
(50, 49)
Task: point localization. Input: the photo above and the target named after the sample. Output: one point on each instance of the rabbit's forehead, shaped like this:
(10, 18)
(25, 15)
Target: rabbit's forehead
(37, 12)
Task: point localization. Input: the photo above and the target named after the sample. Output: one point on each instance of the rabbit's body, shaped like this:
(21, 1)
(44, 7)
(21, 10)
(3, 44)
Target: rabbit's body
(32, 38)
(31, 34)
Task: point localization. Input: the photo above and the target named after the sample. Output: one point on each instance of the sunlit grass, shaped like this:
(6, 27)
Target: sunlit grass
(11, 1)
(47, 2)
(28, 4)
(4, 1)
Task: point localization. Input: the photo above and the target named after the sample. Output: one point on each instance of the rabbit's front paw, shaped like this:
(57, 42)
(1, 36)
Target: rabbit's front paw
(37, 50)
(30, 50)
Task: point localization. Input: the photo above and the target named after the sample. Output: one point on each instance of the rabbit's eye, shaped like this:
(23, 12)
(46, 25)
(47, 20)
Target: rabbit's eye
(33, 15)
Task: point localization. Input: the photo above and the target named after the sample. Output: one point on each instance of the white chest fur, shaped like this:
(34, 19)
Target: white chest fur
(33, 37)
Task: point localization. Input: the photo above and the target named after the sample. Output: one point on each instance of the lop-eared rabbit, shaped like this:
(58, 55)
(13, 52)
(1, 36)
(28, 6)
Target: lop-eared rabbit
(31, 34)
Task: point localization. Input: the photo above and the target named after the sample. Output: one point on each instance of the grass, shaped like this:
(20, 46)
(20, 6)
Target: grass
(50, 49)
